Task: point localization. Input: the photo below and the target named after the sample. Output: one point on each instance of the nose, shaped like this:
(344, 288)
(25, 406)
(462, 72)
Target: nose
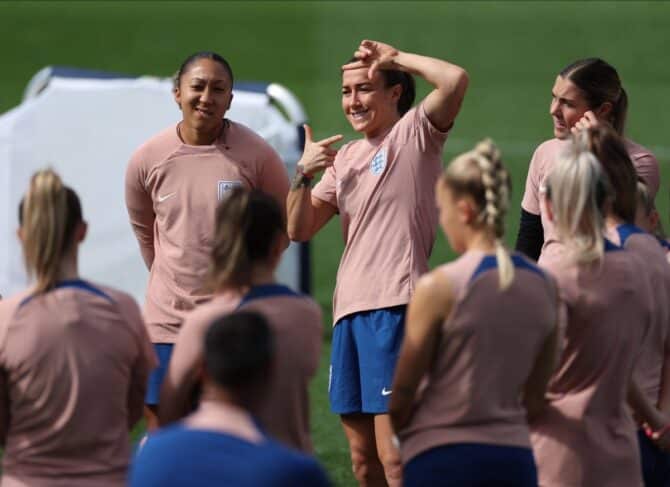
(553, 107)
(206, 95)
(355, 98)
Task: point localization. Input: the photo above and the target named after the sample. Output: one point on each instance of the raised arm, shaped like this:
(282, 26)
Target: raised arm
(428, 308)
(449, 81)
(306, 214)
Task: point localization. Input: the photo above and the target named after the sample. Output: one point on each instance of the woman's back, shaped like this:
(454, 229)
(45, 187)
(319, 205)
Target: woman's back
(75, 362)
(486, 351)
(586, 435)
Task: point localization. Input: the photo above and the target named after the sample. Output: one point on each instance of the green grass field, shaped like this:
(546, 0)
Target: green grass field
(511, 50)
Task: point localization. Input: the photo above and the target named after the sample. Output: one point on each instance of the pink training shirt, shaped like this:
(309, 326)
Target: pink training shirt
(384, 191)
(74, 364)
(485, 353)
(649, 368)
(172, 191)
(586, 435)
(298, 326)
(543, 160)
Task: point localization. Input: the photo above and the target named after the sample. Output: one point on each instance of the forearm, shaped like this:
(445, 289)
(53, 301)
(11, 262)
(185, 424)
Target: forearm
(530, 238)
(442, 75)
(664, 393)
(300, 213)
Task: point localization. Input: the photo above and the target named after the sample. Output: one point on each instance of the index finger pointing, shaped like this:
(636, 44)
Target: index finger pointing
(330, 140)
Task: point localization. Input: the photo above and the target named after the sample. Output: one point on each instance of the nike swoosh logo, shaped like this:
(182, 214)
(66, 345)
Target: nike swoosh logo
(385, 392)
(162, 198)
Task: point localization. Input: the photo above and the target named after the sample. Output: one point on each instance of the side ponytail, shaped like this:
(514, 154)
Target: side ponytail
(48, 215)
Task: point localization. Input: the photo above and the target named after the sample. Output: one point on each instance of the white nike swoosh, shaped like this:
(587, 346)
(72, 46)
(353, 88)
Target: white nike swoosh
(385, 392)
(165, 196)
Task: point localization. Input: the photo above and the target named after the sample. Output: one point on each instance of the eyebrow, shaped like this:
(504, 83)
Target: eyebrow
(359, 85)
(215, 80)
(571, 100)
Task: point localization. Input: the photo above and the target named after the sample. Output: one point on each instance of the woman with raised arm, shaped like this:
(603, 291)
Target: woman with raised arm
(586, 435)
(584, 92)
(174, 182)
(479, 330)
(74, 357)
(249, 239)
(382, 186)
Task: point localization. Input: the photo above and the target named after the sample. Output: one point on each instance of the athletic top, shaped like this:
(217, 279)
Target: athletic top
(384, 191)
(74, 364)
(471, 392)
(183, 456)
(586, 435)
(297, 324)
(649, 367)
(172, 191)
(543, 160)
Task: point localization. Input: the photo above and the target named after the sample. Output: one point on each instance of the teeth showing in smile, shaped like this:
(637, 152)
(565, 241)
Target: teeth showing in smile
(359, 114)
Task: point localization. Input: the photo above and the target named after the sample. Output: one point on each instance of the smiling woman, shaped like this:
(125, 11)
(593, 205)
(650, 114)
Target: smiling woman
(382, 186)
(174, 182)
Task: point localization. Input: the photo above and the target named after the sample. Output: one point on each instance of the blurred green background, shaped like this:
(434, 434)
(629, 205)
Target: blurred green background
(512, 50)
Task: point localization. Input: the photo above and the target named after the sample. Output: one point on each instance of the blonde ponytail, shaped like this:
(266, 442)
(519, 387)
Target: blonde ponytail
(48, 216)
(482, 175)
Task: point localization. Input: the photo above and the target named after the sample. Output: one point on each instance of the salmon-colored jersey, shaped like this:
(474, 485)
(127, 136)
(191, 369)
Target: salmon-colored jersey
(384, 191)
(586, 435)
(297, 323)
(74, 364)
(543, 160)
(172, 191)
(649, 367)
(486, 351)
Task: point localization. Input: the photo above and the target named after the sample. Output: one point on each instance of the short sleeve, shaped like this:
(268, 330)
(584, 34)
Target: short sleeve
(325, 189)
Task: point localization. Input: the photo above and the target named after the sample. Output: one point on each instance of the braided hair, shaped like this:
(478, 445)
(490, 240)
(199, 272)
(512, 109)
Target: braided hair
(482, 175)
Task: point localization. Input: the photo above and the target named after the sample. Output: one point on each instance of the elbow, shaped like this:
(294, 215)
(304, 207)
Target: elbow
(462, 81)
(297, 234)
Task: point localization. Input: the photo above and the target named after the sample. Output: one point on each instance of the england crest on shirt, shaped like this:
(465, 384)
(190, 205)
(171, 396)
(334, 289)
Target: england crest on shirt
(224, 186)
(378, 162)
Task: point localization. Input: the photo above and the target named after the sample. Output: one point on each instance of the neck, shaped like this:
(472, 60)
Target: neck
(482, 241)
(262, 275)
(382, 130)
(199, 136)
(68, 268)
(613, 221)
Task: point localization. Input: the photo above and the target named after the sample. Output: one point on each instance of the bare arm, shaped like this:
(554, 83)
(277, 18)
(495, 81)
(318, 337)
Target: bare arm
(4, 407)
(545, 363)
(428, 308)
(449, 81)
(305, 213)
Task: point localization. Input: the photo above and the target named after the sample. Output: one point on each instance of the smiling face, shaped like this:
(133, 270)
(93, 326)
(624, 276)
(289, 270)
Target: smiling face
(204, 94)
(568, 106)
(369, 106)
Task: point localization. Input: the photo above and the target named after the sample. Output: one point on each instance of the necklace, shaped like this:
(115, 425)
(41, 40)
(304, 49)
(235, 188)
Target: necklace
(220, 135)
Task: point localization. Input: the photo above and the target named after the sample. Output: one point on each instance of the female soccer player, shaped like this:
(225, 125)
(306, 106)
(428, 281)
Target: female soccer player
(74, 357)
(653, 364)
(479, 330)
(221, 443)
(383, 188)
(173, 184)
(585, 91)
(248, 242)
(586, 436)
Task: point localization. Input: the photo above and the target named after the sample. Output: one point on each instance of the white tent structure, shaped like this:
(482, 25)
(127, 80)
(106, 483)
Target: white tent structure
(86, 125)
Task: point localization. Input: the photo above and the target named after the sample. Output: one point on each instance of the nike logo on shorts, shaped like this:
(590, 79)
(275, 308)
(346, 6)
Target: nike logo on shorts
(385, 392)
(162, 198)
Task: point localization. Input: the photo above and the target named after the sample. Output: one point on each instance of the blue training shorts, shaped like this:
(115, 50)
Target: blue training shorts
(364, 353)
(164, 352)
(472, 465)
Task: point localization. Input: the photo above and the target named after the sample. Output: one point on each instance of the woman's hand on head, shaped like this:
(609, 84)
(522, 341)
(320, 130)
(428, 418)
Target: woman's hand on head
(317, 155)
(375, 55)
(588, 121)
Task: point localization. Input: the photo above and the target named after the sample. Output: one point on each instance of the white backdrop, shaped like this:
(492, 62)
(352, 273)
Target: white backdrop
(86, 129)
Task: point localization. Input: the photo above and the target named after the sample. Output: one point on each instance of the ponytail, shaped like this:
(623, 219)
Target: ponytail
(48, 215)
(481, 174)
(247, 224)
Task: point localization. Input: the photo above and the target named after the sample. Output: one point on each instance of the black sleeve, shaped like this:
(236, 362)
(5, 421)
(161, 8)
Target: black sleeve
(530, 238)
